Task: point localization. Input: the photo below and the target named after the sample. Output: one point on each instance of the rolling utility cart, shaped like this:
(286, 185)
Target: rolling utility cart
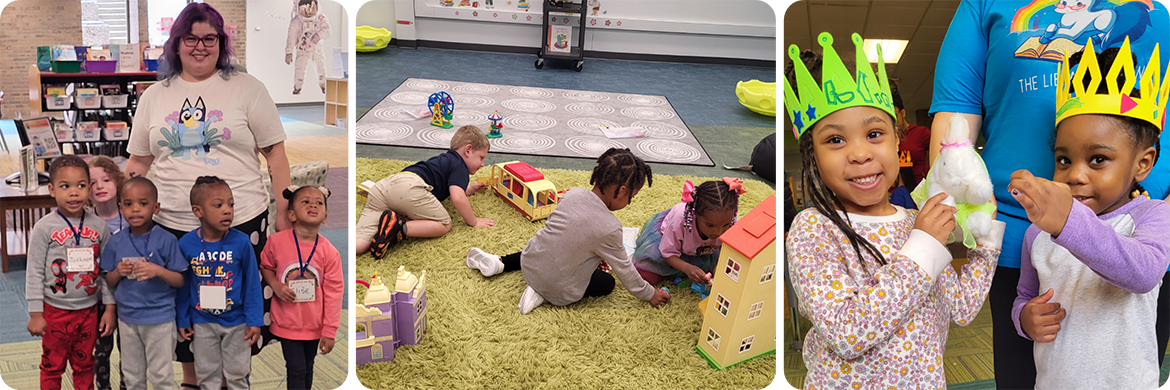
(577, 52)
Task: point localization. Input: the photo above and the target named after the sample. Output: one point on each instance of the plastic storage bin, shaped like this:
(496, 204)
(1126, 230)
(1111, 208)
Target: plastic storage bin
(116, 131)
(151, 65)
(87, 131)
(88, 98)
(115, 101)
(66, 66)
(57, 103)
(64, 133)
(94, 66)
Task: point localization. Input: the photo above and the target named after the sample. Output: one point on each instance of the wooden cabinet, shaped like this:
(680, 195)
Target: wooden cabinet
(336, 101)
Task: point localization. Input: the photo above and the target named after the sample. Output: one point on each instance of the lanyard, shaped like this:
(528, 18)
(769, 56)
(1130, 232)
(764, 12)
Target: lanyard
(302, 262)
(145, 245)
(203, 244)
(76, 231)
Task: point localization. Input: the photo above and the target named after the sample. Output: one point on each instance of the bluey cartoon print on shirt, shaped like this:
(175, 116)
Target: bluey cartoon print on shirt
(191, 133)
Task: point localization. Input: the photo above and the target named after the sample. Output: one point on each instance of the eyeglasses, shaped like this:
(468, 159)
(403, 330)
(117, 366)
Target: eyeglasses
(208, 41)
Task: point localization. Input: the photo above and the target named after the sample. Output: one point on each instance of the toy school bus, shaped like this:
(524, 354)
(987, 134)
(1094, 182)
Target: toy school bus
(523, 187)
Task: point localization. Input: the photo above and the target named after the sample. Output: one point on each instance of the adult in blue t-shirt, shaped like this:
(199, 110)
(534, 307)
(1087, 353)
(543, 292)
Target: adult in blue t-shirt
(997, 67)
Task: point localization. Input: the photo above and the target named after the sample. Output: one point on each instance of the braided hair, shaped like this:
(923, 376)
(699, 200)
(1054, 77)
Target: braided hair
(620, 167)
(711, 195)
(202, 183)
(1143, 134)
(822, 197)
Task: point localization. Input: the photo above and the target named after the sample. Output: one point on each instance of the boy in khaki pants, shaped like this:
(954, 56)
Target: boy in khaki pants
(416, 193)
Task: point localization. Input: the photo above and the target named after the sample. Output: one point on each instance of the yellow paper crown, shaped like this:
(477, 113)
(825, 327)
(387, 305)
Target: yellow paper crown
(837, 89)
(1086, 100)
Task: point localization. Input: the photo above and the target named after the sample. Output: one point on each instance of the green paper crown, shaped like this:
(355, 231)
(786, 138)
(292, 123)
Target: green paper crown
(837, 89)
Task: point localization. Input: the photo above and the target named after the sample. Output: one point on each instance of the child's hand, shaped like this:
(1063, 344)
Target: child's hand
(696, 275)
(252, 334)
(124, 269)
(186, 333)
(109, 321)
(485, 222)
(36, 324)
(1047, 203)
(146, 270)
(288, 58)
(325, 345)
(660, 298)
(1040, 319)
(474, 188)
(284, 292)
(937, 220)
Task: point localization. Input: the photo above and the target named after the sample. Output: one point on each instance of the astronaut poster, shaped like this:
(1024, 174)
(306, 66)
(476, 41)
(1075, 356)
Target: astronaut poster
(289, 44)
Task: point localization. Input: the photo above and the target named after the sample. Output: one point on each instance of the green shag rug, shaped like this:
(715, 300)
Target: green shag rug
(477, 338)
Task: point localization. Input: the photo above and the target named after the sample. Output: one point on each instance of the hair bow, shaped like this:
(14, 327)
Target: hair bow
(292, 189)
(735, 184)
(688, 188)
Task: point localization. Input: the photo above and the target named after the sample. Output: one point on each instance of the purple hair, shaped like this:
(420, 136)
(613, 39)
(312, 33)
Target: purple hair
(170, 65)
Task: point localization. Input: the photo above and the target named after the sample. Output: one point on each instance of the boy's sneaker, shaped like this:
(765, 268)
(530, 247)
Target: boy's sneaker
(391, 230)
(487, 264)
(530, 300)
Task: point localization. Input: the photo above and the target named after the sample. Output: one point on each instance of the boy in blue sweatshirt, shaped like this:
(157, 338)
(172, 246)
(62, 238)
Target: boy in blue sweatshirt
(220, 306)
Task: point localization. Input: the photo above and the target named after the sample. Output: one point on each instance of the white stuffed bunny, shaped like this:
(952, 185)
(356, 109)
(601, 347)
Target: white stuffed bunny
(959, 171)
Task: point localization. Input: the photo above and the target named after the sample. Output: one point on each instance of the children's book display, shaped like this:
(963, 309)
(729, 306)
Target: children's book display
(28, 168)
(558, 38)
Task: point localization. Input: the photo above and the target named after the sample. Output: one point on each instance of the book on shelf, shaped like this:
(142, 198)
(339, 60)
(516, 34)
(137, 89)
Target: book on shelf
(63, 53)
(559, 38)
(98, 54)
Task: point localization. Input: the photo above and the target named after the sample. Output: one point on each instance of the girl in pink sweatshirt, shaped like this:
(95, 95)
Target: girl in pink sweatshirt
(303, 271)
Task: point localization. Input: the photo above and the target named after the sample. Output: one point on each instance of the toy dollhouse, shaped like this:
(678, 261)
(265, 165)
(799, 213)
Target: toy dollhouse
(391, 318)
(739, 319)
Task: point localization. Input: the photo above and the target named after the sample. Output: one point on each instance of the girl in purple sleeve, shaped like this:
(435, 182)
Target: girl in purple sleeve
(683, 241)
(1094, 257)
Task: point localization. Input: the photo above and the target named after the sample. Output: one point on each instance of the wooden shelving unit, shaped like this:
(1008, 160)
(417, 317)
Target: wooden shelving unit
(336, 101)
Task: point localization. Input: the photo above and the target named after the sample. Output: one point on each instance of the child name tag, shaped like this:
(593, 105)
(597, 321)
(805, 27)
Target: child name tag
(132, 260)
(306, 289)
(213, 297)
(80, 259)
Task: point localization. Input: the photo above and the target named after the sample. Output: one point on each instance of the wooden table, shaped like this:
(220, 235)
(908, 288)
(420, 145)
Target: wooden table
(26, 209)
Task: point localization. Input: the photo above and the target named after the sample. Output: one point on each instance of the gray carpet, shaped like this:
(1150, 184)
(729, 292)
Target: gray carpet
(537, 121)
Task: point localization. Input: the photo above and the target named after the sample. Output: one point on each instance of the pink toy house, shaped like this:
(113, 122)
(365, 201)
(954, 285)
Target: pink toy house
(392, 318)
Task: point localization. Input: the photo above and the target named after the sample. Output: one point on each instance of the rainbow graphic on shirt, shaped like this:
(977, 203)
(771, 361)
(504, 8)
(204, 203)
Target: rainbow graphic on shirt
(1057, 27)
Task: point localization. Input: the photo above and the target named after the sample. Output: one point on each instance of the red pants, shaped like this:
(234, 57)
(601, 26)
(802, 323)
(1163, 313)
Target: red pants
(69, 337)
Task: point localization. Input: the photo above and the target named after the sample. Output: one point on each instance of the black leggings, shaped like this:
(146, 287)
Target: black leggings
(600, 283)
(258, 225)
(101, 354)
(298, 361)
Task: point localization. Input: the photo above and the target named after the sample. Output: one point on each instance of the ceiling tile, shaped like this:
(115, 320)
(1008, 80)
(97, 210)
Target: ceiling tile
(931, 33)
(796, 19)
(849, 3)
(938, 17)
(917, 47)
(884, 31)
(881, 14)
(841, 21)
(945, 4)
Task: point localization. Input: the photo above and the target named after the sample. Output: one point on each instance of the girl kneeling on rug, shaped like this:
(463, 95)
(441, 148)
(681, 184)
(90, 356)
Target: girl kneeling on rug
(560, 264)
(874, 279)
(684, 240)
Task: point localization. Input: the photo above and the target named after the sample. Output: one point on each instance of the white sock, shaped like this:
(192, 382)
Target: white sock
(487, 264)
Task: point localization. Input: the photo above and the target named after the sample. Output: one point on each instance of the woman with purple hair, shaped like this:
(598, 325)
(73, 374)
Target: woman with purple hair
(206, 117)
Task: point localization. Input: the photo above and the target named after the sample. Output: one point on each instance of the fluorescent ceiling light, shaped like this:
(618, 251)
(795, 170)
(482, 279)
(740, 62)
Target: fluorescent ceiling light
(891, 49)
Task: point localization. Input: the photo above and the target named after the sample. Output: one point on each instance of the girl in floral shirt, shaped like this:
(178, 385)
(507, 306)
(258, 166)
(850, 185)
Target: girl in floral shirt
(874, 279)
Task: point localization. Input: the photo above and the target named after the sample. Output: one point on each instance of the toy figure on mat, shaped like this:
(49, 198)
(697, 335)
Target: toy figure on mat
(442, 107)
(488, 4)
(684, 239)
(305, 31)
(496, 125)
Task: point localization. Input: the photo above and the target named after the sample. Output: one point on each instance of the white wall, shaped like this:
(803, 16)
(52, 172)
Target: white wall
(728, 29)
(378, 13)
(267, 33)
